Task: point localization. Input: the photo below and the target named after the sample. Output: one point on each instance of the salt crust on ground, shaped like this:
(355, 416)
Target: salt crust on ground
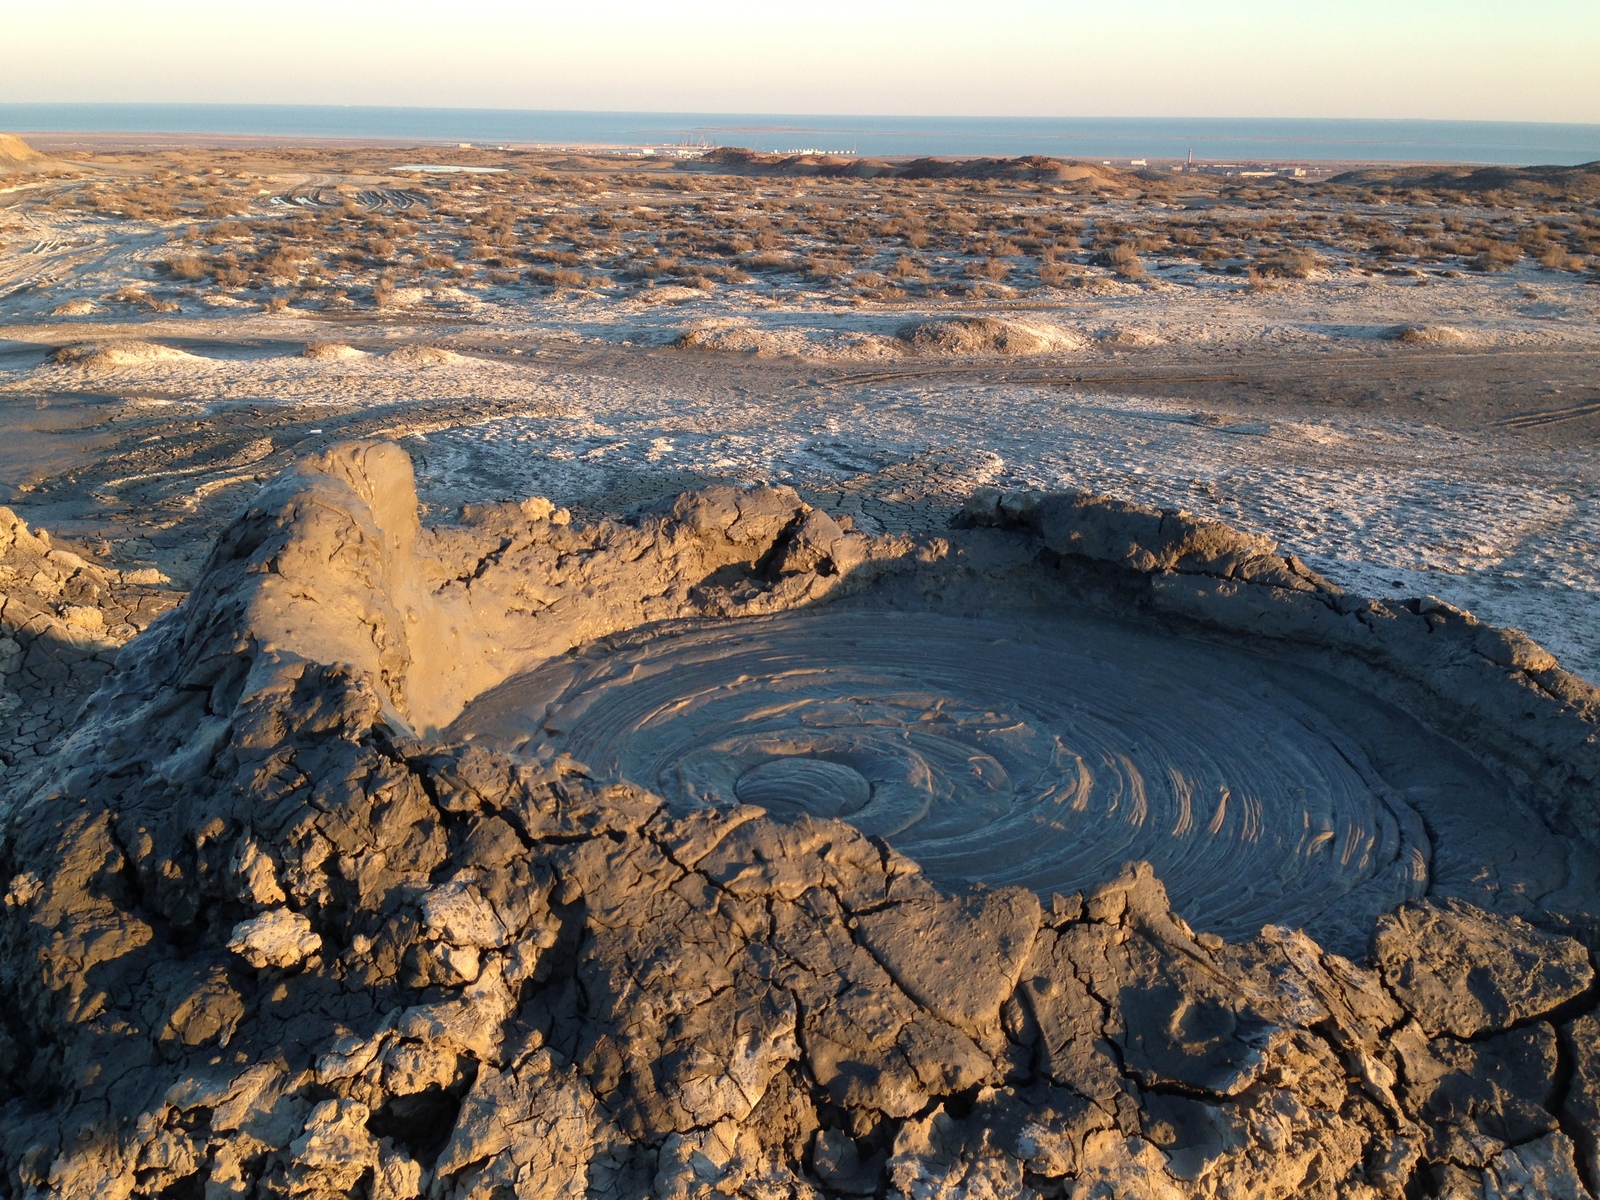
(526, 981)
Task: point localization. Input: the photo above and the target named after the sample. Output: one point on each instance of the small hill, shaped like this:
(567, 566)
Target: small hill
(734, 160)
(1033, 168)
(1581, 182)
(16, 153)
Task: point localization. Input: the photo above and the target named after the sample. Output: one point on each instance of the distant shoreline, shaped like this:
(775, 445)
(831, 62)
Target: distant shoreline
(1116, 141)
(113, 142)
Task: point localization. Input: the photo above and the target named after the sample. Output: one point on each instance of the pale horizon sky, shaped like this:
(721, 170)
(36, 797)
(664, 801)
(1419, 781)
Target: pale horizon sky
(1463, 59)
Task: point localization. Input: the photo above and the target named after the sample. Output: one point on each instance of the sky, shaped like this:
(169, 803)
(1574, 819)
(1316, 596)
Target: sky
(1514, 60)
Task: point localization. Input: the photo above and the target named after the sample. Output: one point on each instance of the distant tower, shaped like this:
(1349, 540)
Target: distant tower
(1191, 158)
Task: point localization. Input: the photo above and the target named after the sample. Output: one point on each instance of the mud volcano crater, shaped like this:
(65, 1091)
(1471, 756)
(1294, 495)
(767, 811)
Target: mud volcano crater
(726, 851)
(1029, 750)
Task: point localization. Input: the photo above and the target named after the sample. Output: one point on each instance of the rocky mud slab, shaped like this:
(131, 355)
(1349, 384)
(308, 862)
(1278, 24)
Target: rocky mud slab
(275, 926)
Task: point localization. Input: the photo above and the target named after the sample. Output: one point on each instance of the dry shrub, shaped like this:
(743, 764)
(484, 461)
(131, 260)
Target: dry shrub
(1497, 256)
(991, 269)
(907, 268)
(769, 260)
(558, 277)
(1054, 274)
(1289, 264)
(1121, 258)
(188, 267)
(223, 231)
(824, 268)
(1557, 259)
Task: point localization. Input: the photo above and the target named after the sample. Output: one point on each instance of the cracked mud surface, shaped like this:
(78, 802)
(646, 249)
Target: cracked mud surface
(267, 932)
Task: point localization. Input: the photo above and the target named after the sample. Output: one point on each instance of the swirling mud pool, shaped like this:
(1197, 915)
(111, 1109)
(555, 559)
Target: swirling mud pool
(1039, 751)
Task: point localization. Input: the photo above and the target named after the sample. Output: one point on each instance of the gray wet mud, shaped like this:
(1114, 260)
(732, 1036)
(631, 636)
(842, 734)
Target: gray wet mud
(1046, 750)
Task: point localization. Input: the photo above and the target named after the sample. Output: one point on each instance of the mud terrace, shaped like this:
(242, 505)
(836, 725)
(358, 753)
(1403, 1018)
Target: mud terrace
(318, 899)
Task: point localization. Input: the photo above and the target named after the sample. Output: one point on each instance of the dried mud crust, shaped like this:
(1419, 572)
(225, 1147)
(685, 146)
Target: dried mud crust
(62, 620)
(261, 937)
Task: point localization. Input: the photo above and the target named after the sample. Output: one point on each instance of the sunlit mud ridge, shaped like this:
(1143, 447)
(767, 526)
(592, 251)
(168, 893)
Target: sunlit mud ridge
(317, 900)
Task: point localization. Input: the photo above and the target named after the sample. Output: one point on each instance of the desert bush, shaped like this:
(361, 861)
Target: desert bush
(1121, 258)
(992, 269)
(1497, 256)
(1054, 274)
(283, 263)
(907, 268)
(767, 260)
(1557, 259)
(188, 267)
(1290, 264)
(558, 277)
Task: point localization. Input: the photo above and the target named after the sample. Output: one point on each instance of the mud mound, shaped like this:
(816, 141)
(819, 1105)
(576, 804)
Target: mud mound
(1129, 337)
(423, 356)
(331, 352)
(666, 294)
(744, 339)
(266, 930)
(795, 343)
(962, 336)
(110, 355)
(1426, 335)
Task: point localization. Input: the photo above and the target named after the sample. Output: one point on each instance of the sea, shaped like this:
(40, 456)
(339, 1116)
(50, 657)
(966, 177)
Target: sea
(1111, 138)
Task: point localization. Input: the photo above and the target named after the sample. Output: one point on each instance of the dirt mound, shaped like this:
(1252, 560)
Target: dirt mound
(1426, 335)
(264, 929)
(423, 356)
(743, 339)
(331, 352)
(735, 338)
(1131, 337)
(110, 355)
(963, 336)
(75, 308)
